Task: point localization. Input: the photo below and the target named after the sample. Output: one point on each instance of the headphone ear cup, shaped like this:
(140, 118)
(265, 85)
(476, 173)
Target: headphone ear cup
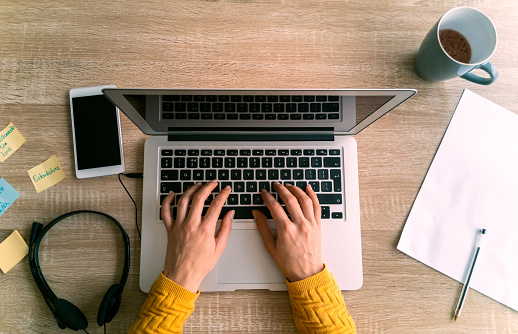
(109, 305)
(67, 314)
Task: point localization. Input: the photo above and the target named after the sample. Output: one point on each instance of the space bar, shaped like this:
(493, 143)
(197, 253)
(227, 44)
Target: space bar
(242, 212)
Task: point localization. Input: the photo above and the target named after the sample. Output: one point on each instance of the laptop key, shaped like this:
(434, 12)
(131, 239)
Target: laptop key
(235, 174)
(315, 185)
(171, 174)
(326, 187)
(204, 162)
(326, 212)
(187, 185)
(185, 174)
(166, 162)
(329, 198)
(251, 187)
(223, 174)
(233, 199)
(242, 162)
(257, 199)
(323, 174)
(179, 163)
(241, 212)
(210, 174)
(331, 162)
(239, 187)
(245, 199)
(166, 187)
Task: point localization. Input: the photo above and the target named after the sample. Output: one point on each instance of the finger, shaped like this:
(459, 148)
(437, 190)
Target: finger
(306, 203)
(199, 198)
(279, 215)
(291, 202)
(264, 231)
(166, 211)
(216, 205)
(317, 209)
(183, 202)
(224, 231)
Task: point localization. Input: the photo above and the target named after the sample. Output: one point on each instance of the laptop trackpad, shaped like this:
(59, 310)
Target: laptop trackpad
(245, 260)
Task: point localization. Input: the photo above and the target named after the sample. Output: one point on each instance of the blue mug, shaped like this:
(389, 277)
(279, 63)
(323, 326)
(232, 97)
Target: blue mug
(434, 63)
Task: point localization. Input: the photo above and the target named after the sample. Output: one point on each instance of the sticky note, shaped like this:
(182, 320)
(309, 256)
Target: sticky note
(46, 174)
(10, 140)
(12, 250)
(7, 195)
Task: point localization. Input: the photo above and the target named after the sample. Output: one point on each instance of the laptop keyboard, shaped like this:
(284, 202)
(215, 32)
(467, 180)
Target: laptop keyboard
(251, 107)
(248, 171)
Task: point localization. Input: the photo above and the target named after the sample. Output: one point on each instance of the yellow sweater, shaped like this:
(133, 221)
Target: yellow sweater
(317, 303)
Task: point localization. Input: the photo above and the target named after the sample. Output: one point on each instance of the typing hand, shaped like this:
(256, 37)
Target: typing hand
(192, 249)
(297, 249)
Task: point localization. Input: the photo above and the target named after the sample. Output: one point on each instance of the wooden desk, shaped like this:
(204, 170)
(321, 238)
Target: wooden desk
(48, 47)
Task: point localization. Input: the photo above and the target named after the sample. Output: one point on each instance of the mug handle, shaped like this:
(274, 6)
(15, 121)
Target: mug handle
(488, 68)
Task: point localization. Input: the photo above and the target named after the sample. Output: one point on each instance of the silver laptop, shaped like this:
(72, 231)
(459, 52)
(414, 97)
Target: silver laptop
(249, 139)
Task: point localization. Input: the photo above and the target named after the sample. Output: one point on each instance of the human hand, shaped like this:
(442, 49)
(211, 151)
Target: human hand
(297, 248)
(192, 249)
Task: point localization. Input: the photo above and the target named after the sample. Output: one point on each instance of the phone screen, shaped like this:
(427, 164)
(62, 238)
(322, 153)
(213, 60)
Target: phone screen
(96, 132)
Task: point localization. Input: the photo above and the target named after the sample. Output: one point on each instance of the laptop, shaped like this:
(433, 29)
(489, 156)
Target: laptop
(248, 139)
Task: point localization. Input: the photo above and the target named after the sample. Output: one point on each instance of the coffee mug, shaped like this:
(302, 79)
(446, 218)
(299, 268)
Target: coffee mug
(462, 40)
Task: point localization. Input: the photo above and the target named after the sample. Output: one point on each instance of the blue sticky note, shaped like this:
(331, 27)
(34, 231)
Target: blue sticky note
(7, 195)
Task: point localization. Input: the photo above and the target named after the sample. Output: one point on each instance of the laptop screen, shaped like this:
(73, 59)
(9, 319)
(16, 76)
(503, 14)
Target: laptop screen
(159, 112)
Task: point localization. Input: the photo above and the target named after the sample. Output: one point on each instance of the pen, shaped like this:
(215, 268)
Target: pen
(464, 291)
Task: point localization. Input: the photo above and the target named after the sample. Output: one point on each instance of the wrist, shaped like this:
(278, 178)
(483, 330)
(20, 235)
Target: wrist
(295, 277)
(186, 281)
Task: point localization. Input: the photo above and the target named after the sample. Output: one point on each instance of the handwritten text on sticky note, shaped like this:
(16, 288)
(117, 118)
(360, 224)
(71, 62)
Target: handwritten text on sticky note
(10, 140)
(46, 174)
(7, 195)
(12, 250)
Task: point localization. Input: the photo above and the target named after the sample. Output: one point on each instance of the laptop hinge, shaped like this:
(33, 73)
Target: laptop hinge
(251, 134)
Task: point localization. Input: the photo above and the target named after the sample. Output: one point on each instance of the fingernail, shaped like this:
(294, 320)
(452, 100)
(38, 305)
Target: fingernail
(170, 192)
(214, 181)
(232, 213)
(254, 213)
(227, 187)
(276, 182)
(309, 186)
(263, 190)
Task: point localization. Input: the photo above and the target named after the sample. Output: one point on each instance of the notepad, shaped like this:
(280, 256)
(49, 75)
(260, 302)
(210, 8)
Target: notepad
(12, 250)
(10, 140)
(472, 184)
(7, 195)
(46, 174)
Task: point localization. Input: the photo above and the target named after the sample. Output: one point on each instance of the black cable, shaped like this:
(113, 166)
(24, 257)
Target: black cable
(132, 175)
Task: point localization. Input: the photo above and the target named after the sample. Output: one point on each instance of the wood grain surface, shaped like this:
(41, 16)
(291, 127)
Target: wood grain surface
(49, 47)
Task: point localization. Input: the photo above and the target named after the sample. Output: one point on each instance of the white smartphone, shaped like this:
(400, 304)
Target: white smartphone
(96, 133)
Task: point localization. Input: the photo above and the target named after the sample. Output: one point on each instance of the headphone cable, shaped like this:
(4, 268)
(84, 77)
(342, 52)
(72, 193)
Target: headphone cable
(133, 176)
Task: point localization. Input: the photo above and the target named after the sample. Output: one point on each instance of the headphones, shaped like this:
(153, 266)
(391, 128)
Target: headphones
(66, 313)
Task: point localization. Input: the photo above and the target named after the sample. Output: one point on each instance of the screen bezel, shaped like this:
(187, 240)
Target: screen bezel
(99, 171)
(117, 96)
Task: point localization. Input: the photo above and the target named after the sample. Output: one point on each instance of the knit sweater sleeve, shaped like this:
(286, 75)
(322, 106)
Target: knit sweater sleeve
(318, 305)
(166, 309)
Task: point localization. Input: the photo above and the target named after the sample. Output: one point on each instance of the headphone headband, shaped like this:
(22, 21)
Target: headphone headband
(37, 234)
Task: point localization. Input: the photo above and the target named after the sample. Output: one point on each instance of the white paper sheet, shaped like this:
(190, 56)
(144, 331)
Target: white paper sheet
(472, 184)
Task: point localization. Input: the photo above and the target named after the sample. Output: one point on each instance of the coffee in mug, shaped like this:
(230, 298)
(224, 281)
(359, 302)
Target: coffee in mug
(455, 45)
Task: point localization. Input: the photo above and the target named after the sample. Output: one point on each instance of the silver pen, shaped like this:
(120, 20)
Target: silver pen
(464, 291)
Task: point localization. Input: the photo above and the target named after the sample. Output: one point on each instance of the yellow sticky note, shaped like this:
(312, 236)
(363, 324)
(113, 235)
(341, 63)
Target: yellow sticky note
(46, 174)
(12, 250)
(10, 140)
